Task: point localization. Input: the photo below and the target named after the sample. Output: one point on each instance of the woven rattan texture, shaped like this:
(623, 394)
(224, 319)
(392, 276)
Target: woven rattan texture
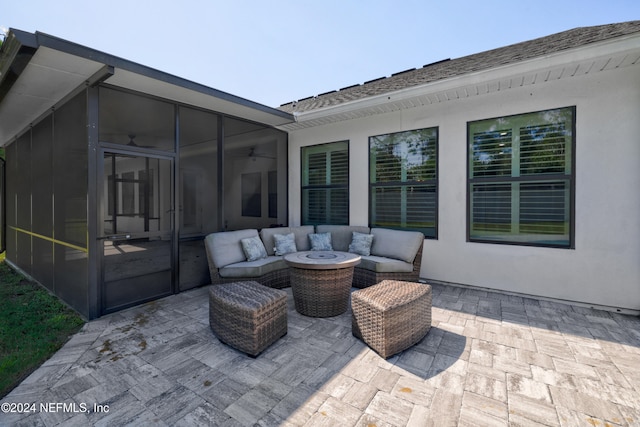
(247, 315)
(278, 279)
(391, 316)
(364, 278)
(321, 293)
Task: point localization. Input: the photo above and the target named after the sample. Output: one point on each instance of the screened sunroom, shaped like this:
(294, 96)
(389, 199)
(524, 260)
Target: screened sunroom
(115, 172)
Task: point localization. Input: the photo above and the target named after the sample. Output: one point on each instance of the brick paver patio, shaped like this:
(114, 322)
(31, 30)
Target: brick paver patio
(490, 359)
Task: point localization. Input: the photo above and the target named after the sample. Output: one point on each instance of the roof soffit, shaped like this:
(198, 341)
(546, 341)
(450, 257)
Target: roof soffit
(597, 57)
(197, 97)
(47, 79)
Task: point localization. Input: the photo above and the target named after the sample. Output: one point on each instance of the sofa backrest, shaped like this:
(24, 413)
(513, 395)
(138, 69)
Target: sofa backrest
(224, 247)
(341, 234)
(300, 233)
(396, 244)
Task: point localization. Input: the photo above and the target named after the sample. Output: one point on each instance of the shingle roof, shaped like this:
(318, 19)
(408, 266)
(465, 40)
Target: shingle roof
(468, 64)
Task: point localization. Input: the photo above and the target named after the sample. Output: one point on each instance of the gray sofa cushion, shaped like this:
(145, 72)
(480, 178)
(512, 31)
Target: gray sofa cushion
(341, 234)
(225, 247)
(385, 265)
(396, 244)
(253, 268)
(300, 232)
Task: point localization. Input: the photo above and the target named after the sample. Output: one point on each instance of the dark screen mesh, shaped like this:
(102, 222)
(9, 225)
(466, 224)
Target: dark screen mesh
(42, 198)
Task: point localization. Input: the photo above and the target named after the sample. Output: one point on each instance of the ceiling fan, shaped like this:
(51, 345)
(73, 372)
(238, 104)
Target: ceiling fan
(132, 143)
(254, 155)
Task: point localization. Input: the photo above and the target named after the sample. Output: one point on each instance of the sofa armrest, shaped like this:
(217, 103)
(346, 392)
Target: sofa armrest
(398, 244)
(417, 262)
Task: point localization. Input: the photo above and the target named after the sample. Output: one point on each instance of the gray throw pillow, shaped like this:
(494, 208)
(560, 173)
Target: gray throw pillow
(285, 243)
(253, 248)
(361, 243)
(320, 241)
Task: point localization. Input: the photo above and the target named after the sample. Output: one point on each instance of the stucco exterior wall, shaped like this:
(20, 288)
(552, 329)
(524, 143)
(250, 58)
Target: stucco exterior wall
(604, 267)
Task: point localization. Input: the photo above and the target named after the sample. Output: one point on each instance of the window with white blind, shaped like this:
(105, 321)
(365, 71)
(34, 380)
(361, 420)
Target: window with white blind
(521, 179)
(325, 184)
(403, 181)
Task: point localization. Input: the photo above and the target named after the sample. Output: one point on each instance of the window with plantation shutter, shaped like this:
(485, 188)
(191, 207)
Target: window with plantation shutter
(325, 184)
(521, 178)
(403, 181)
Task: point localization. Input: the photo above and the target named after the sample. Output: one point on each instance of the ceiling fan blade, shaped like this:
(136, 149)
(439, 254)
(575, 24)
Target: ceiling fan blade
(252, 153)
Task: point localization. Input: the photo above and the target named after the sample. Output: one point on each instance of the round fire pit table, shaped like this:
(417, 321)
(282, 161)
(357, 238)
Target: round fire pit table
(321, 281)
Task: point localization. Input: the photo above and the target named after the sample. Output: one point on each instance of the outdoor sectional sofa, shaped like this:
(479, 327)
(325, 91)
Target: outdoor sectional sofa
(394, 254)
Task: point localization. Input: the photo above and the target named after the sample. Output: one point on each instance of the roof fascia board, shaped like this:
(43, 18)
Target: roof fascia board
(116, 62)
(17, 50)
(24, 38)
(617, 46)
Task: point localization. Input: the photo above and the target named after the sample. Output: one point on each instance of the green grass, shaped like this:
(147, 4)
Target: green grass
(33, 326)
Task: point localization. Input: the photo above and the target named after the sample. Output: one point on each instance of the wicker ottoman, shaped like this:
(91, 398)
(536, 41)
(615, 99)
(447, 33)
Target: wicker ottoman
(247, 315)
(391, 316)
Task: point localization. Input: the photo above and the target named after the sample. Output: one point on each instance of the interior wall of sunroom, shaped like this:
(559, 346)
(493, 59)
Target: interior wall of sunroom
(252, 169)
(601, 269)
